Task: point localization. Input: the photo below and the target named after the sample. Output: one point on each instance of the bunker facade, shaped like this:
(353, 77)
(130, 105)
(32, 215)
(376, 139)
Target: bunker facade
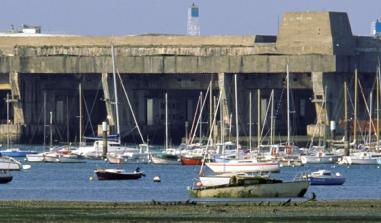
(318, 47)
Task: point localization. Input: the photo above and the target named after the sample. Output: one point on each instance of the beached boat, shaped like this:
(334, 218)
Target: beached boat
(251, 187)
(118, 174)
(325, 177)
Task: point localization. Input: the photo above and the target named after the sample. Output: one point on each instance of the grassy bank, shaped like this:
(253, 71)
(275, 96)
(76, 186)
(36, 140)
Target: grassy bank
(312, 211)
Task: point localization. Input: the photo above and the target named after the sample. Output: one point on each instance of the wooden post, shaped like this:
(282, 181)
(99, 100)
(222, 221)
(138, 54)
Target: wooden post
(104, 130)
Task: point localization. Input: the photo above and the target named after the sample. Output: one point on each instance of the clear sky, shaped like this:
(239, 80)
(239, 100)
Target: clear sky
(217, 17)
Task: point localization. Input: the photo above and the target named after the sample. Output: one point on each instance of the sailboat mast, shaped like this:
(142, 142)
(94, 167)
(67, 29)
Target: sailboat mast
(272, 118)
(51, 129)
(288, 106)
(259, 117)
(166, 121)
(80, 112)
(378, 104)
(236, 114)
(7, 101)
(370, 116)
(346, 136)
(200, 123)
(67, 120)
(250, 121)
(115, 93)
(44, 112)
(355, 109)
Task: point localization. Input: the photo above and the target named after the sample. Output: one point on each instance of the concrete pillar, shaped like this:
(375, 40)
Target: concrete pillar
(18, 115)
(225, 82)
(107, 100)
(320, 101)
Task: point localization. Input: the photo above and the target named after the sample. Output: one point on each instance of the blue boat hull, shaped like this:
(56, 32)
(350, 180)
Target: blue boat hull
(16, 153)
(326, 181)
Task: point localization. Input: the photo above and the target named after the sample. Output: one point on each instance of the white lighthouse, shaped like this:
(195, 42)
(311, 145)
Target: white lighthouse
(193, 21)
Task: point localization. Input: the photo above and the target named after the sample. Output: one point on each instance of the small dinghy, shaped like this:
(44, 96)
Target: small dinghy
(5, 177)
(325, 177)
(118, 174)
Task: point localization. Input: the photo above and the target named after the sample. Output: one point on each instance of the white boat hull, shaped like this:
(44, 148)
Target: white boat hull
(318, 159)
(359, 161)
(157, 160)
(7, 163)
(246, 167)
(35, 157)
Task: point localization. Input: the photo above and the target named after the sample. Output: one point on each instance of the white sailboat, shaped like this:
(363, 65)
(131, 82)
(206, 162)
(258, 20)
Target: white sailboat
(250, 165)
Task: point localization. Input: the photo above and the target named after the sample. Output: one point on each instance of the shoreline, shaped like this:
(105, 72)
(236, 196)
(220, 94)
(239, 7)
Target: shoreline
(191, 211)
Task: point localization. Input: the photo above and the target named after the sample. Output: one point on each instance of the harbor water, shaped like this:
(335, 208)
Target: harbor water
(54, 181)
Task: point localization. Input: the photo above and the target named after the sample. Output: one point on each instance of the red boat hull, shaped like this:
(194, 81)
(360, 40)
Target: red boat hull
(191, 160)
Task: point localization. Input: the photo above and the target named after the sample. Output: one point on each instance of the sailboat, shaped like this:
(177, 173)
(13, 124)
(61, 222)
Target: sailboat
(12, 152)
(167, 156)
(117, 153)
(318, 154)
(361, 157)
(238, 164)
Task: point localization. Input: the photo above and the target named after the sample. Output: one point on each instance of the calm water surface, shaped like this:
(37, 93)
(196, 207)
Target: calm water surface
(49, 181)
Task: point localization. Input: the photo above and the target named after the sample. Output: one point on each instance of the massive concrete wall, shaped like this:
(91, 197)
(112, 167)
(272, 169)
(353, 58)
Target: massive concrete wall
(324, 33)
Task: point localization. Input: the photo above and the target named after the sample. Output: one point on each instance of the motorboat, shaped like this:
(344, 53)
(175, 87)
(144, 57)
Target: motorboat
(325, 177)
(240, 186)
(118, 174)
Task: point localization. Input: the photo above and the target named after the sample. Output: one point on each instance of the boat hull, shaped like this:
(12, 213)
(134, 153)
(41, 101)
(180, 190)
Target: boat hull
(222, 167)
(8, 163)
(5, 179)
(191, 160)
(106, 175)
(35, 158)
(158, 160)
(326, 181)
(16, 153)
(319, 160)
(285, 189)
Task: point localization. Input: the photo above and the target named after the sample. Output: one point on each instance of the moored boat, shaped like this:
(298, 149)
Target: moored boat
(246, 166)
(15, 152)
(9, 163)
(191, 160)
(5, 179)
(118, 174)
(165, 158)
(325, 177)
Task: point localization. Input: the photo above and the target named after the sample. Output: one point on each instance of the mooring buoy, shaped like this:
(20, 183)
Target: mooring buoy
(156, 179)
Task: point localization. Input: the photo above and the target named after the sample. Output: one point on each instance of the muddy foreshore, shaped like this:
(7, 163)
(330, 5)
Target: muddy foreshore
(191, 211)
